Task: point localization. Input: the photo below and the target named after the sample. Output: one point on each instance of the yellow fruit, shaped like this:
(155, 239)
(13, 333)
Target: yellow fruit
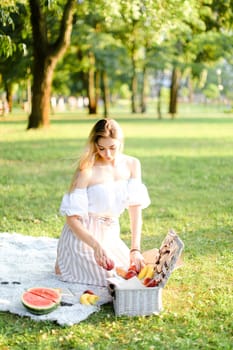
(84, 299)
(150, 271)
(93, 299)
(143, 272)
(88, 299)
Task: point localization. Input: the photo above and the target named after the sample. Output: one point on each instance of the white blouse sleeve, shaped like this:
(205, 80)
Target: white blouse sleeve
(75, 203)
(138, 194)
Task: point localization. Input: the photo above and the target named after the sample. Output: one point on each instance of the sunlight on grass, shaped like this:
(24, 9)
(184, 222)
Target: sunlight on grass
(187, 166)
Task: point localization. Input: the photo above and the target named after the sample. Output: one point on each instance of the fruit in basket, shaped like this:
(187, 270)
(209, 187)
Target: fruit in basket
(151, 282)
(130, 274)
(41, 300)
(146, 271)
(133, 268)
(88, 298)
(121, 272)
(150, 271)
(143, 272)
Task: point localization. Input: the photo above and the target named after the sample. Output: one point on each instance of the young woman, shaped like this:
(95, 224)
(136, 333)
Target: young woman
(105, 183)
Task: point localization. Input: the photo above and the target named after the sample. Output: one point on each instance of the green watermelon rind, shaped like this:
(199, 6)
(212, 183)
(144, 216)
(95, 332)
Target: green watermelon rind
(41, 311)
(37, 310)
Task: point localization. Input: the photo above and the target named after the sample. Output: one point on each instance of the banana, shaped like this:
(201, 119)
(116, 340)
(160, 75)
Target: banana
(93, 299)
(143, 272)
(84, 299)
(88, 299)
(150, 271)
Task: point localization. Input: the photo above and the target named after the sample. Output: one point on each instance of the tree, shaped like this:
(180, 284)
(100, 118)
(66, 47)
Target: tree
(7, 45)
(145, 24)
(15, 65)
(203, 38)
(49, 45)
(100, 58)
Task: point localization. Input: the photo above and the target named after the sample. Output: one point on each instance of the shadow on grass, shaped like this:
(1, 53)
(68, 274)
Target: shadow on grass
(135, 119)
(149, 120)
(39, 149)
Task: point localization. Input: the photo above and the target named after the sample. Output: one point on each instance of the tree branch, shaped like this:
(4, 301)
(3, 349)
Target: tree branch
(64, 37)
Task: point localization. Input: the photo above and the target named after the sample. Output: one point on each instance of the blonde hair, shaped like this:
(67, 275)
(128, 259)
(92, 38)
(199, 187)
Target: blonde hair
(102, 128)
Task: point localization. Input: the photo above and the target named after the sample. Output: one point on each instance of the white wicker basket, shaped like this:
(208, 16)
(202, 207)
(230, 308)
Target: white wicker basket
(147, 301)
(137, 302)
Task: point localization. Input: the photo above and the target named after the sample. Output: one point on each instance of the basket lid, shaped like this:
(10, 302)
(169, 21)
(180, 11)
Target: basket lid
(167, 256)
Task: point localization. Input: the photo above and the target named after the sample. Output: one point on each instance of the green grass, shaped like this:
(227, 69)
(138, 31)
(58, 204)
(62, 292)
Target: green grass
(187, 166)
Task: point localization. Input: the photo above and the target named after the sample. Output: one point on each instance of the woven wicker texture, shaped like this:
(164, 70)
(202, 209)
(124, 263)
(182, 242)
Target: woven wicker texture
(147, 301)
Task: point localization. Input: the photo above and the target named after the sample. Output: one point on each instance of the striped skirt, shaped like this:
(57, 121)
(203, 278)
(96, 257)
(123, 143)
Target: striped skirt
(75, 259)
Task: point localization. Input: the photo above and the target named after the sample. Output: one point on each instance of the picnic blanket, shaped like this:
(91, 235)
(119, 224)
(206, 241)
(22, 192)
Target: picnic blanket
(26, 262)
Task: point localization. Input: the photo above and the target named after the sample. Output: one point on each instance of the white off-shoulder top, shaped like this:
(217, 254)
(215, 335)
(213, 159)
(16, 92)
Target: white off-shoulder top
(105, 199)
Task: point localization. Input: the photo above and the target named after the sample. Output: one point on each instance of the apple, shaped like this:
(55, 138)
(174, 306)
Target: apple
(130, 274)
(150, 282)
(88, 291)
(110, 265)
(133, 268)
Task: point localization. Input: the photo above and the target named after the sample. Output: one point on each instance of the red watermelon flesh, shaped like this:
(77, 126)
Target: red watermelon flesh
(47, 293)
(41, 300)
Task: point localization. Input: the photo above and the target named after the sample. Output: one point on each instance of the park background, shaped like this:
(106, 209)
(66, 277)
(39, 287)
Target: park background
(186, 157)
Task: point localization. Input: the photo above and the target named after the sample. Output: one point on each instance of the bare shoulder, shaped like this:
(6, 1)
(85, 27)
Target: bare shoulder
(134, 165)
(83, 178)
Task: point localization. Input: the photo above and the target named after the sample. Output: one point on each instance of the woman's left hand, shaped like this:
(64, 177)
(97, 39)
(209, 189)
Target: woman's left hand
(137, 259)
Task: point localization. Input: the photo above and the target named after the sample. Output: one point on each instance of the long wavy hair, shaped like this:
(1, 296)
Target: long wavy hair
(102, 128)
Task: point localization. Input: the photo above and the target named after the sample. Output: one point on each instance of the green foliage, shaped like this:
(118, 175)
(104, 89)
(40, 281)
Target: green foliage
(187, 167)
(13, 28)
(15, 47)
(6, 46)
(211, 91)
(126, 38)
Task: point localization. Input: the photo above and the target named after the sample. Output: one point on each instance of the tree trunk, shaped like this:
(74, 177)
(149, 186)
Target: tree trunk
(159, 113)
(91, 85)
(134, 88)
(160, 85)
(97, 88)
(9, 96)
(143, 91)
(174, 91)
(46, 56)
(41, 92)
(105, 92)
(190, 89)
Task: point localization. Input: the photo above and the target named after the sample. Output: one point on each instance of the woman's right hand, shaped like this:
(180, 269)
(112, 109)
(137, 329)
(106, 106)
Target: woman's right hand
(102, 259)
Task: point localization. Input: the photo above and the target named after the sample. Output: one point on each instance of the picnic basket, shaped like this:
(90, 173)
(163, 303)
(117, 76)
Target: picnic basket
(144, 300)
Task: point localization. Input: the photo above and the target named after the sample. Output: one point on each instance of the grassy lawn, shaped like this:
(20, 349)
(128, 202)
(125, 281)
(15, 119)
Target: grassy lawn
(187, 166)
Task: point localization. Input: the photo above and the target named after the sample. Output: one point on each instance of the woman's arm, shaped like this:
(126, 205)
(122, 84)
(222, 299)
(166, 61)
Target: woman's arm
(135, 214)
(136, 258)
(80, 232)
(75, 223)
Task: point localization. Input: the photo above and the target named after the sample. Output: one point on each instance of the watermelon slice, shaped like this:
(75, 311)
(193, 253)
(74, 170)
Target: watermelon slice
(41, 300)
